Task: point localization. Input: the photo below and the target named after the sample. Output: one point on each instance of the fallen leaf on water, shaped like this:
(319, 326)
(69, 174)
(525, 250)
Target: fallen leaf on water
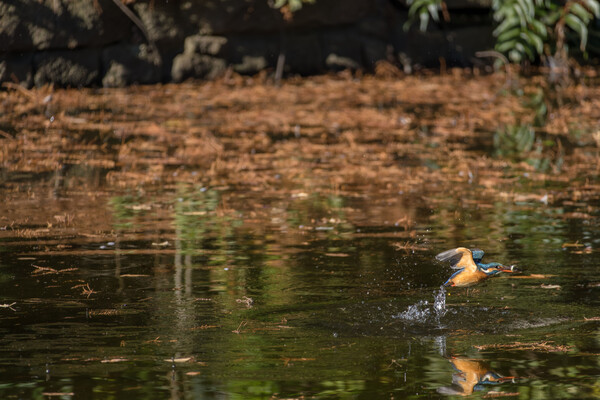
(286, 361)
(549, 286)
(114, 360)
(202, 327)
(140, 207)
(105, 312)
(532, 276)
(500, 394)
(179, 360)
(587, 250)
(193, 373)
(245, 300)
(542, 346)
(576, 244)
(409, 246)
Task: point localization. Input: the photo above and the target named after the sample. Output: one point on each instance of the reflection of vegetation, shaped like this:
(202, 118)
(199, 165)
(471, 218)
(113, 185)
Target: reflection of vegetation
(538, 103)
(513, 141)
(342, 389)
(519, 143)
(200, 225)
(125, 209)
(321, 212)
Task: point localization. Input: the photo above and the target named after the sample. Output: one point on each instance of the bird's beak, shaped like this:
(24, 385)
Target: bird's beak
(511, 268)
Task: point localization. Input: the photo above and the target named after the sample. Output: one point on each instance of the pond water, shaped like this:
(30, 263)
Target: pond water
(307, 272)
(167, 295)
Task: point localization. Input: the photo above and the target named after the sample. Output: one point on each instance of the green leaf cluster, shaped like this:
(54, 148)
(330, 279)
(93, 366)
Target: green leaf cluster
(423, 9)
(525, 27)
(520, 32)
(577, 15)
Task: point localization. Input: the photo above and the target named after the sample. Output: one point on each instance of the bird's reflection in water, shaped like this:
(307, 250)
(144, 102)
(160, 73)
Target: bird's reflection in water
(471, 376)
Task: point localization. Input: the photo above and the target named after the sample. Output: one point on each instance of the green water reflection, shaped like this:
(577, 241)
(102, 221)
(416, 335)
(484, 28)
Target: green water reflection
(213, 293)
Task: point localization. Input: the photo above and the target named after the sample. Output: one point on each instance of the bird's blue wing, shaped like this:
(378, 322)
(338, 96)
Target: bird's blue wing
(453, 275)
(477, 255)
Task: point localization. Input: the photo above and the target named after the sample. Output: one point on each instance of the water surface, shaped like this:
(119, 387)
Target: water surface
(261, 242)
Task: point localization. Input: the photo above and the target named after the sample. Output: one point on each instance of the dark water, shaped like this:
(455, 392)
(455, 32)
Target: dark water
(195, 292)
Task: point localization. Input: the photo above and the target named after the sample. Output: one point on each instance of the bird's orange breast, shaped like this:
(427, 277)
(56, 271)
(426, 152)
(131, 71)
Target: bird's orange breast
(466, 278)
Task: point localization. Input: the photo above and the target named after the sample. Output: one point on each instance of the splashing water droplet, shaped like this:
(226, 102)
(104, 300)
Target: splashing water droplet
(439, 304)
(423, 312)
(416, 312)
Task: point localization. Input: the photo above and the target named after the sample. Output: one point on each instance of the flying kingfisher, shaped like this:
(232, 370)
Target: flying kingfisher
(470, 268)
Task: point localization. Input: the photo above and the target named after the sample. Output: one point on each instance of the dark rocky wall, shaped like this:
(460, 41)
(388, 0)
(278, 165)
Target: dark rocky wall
(93, 42)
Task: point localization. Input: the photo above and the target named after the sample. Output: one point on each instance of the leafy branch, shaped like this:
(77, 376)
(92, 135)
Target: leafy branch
(526, 28)
(424, 9)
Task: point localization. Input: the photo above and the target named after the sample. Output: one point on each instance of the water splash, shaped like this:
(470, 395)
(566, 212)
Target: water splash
(439, 304)
(423, 312)
(418, 312)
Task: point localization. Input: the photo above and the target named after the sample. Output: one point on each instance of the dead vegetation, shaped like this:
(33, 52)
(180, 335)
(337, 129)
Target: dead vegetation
(332, 131)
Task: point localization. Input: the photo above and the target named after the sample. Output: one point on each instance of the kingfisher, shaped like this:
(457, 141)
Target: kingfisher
(470, 268)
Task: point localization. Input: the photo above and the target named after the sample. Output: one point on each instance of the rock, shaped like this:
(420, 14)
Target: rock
(202, 57)
(126, 64)
(225, 17)
(457, 4)
(415, 48)
(248, 54)
(342, 49)
(329, 13)
(199, 44)
(373, 50)
(194, 65)
(375, 26)
(162, 20)
(14, 35)
(464, 43)
(74, 68)
(339, 63)
(18, 69)
(251, 65)
(303, 53)
(28, 25)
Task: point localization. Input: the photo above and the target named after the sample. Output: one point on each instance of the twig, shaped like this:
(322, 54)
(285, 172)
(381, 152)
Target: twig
(8, 306)
(20, 89)
(500, 56)
(240, 326)
(138, 22)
